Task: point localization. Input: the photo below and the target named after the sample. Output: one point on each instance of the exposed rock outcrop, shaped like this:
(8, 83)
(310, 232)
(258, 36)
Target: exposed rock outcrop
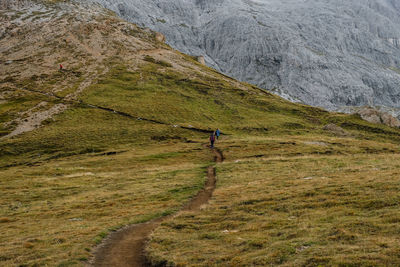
(375, 116)
(327, 53)
(333, 128)
(9, 4)
(201, 60)
(160, 37)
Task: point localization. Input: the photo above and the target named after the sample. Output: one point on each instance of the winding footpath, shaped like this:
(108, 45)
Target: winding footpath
(125, 247)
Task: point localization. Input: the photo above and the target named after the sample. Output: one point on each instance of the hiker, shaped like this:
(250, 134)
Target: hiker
(217, 133)
(61, 67)
(212, 140)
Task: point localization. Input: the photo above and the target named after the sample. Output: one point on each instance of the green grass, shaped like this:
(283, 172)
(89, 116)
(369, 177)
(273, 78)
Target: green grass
(84, 130)
(159, 62)
(15, 105)
(210, 102)
(395, 69)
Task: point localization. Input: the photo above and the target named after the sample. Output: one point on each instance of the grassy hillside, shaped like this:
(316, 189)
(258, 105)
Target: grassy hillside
(298, 205)
(128, 146)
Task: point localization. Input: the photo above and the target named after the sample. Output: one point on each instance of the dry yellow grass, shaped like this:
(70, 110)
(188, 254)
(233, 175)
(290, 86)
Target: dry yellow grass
(304, 210)
(53, 214)
(289, 193)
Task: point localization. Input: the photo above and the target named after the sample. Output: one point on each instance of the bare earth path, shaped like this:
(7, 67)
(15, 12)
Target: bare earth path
(125, 247)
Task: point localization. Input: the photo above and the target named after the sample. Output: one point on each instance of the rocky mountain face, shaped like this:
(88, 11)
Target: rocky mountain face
(328, 53)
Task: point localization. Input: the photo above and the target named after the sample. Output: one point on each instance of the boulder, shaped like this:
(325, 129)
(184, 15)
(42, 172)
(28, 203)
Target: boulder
(335, 129)
(375, 116)
(160, 37)
(201, 60)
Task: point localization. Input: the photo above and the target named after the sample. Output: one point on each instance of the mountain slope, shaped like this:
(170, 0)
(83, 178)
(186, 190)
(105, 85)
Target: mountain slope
(324, 53)
(127, 145)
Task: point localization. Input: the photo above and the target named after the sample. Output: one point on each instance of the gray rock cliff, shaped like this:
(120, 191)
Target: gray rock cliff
(327, 53)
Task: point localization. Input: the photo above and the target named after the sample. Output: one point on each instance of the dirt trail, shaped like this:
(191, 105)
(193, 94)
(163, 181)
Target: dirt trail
(126, 247)
(35, 119)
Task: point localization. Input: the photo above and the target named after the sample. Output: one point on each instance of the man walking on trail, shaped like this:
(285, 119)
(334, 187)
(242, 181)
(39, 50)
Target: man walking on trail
(217, 133)
(212, 140)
